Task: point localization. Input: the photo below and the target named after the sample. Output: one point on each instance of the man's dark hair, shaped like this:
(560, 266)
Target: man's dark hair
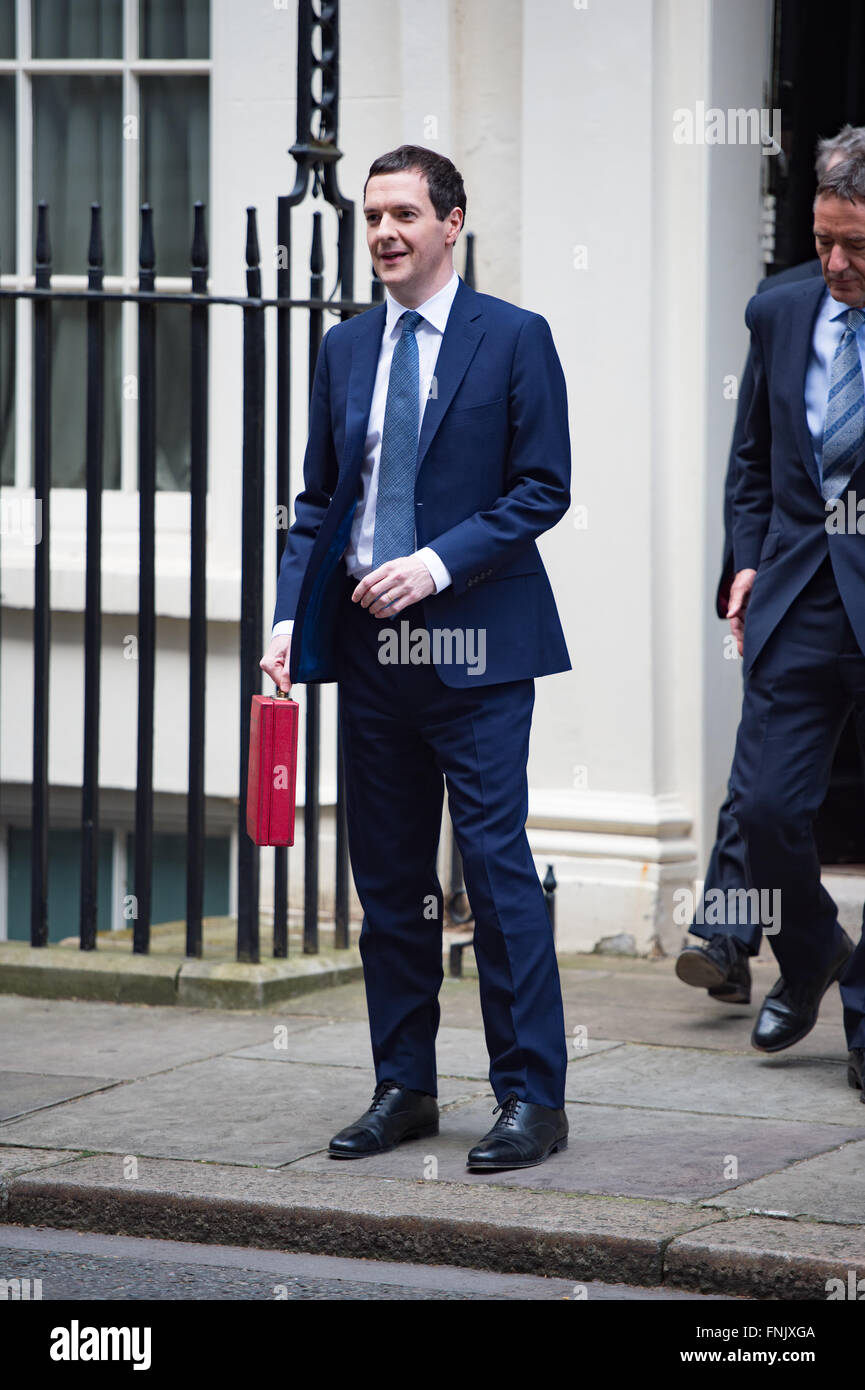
(444, 181)
(845, 180)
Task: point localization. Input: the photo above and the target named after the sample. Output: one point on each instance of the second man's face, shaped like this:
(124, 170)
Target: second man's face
(410, 248)
(839, 234)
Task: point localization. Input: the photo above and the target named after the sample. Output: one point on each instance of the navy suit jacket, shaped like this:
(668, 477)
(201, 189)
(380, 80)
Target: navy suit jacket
(493, 473)
(746, 390)
(779, 516)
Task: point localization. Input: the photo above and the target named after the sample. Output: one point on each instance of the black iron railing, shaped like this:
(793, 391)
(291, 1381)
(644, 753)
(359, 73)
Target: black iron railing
(200, 303)
(316, 154)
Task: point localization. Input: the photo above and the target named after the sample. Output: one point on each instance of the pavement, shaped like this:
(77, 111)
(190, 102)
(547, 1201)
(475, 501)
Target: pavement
(693, 1162)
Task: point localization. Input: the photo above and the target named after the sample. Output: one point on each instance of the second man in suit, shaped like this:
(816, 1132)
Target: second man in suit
(798, 605)
(719, 961)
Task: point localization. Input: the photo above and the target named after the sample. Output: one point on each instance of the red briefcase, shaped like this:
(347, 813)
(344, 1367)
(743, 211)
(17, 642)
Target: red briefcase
(270, 787)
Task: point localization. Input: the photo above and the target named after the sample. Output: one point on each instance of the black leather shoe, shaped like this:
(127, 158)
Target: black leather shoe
(523, 1135)
(789, 1012)
(856, 1070)
(720, 966)
(396, 1114)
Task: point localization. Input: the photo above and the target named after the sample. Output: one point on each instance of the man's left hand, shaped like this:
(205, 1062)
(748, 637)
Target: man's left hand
(393, 586)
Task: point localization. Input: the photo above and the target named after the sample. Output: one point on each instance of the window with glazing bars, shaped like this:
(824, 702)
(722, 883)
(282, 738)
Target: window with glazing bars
(100, 101)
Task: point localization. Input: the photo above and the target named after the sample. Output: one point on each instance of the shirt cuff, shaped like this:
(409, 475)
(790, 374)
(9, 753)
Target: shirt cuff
(285, 627)
(441, 575)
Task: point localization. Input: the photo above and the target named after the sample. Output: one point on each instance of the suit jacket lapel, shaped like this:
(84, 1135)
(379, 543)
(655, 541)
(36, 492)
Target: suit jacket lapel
(459, 344)
(361, 383)
(805, 315)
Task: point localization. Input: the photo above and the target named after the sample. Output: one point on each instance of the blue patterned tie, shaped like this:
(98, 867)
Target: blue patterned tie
(845, 411)
(394, 508)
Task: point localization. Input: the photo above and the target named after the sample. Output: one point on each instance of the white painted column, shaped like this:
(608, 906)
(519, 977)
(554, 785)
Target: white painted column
(626, 251)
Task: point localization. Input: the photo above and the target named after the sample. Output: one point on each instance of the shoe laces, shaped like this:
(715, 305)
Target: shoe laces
(380, 1092)
(508, 1107)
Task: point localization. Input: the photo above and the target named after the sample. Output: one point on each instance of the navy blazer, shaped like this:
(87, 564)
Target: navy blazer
(493, 473)
(779, 516)
(746, 390)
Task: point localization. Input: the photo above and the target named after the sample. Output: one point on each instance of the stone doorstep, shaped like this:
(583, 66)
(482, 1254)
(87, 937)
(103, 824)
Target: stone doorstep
(616, 1240)
(57, 972)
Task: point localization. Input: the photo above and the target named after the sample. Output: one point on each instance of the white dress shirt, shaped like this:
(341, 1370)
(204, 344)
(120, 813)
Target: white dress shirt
(429, 334)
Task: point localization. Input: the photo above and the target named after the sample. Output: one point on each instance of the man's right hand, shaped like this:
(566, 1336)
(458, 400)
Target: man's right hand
(275, 661)
(740, 593)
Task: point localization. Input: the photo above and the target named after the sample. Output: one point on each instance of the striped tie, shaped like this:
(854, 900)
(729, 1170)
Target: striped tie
(845, 411)
(394, 508)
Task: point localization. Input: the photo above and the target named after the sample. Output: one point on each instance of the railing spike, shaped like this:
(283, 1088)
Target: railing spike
(199, 253)
(253, 268)
(43, 240)
(252, 250)
(316, 255)
(95, 251)
(147, 246)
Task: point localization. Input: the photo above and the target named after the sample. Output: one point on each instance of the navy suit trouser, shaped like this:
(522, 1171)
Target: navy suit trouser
(404, 732)
(799, 693)
(725, 874)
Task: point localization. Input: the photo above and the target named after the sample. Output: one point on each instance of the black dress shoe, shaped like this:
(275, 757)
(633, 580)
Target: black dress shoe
(856, 1070)
(720, 966)
(396, 1114)
(523, 1136)
(789, 1012)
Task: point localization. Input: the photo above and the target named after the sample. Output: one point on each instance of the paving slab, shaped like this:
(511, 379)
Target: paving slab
(644, 1001)
(620, 1003)
(459, 1051)
(786, 1087)
(226, 1109)
(520, 1231)
(828, 1188)
(765, 1259)
(125, 1040)
(460, 1003)
(14, 1160)
(695, 1027)
(616, 1151)
(611, 1004)
(21, 1091)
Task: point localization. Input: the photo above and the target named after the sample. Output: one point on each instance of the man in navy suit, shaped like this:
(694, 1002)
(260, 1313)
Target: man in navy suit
(438, 453)
(719, 963)
(797, 605)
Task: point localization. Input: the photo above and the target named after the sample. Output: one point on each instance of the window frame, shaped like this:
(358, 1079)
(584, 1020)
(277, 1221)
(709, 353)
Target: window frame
(120, 505)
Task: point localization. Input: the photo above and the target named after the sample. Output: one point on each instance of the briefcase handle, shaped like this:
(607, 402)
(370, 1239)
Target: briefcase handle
(284, 695)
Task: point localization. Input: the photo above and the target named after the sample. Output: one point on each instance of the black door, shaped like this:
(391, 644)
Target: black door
(818, 82)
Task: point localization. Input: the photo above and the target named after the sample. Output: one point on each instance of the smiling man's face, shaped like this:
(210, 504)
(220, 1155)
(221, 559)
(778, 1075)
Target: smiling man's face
(411, 250)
